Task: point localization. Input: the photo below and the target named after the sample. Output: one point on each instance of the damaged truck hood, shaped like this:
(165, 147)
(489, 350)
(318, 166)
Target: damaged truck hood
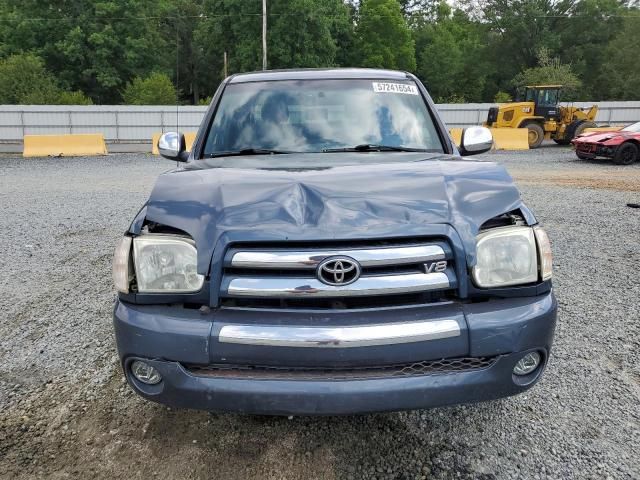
(341, 198)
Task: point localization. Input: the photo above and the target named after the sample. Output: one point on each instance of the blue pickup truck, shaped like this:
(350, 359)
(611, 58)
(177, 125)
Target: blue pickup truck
(325, 248)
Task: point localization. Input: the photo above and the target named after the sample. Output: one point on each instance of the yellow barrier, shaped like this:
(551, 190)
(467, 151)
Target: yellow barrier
(510, 138)
(71, 145)
(603, 129)
(189, 138)
(456, 135)
(154, 143)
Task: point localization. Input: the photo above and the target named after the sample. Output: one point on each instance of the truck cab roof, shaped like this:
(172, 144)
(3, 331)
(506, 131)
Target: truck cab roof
(318, 74)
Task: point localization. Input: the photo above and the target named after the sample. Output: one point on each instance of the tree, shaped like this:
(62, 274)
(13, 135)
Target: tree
(91, 46)
(73, 98)
(180, 20)
(550, 72)
(586, 51)
(156, 89)
(383, 37)
(25, 80)
(517, 30)
(620, 73)
(301, 33)
(451, 56)
(502, 97)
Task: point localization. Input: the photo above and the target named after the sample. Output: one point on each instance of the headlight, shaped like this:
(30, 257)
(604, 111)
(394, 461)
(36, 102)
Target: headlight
(506, 256)
(165, 264)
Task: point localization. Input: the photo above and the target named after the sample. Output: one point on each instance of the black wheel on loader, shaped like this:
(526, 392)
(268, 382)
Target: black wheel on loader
(536, 134)
(574, 129)
(581, 128)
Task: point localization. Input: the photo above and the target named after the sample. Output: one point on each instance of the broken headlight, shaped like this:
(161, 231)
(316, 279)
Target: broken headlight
(166, 264)
(506, 256)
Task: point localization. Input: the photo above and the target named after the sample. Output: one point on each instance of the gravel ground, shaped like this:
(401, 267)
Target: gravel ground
(65, 411)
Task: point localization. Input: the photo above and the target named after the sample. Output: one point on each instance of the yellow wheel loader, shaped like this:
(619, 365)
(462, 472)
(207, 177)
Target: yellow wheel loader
(541, 114)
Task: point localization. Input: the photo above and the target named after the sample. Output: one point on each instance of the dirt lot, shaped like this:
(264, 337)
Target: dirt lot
(65, 411)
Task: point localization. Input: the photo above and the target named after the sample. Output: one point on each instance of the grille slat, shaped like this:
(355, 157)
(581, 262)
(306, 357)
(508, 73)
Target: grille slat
(428, 367)
(289, 274)
(309, 259)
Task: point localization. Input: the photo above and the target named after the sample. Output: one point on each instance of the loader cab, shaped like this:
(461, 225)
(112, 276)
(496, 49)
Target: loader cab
(545, 99)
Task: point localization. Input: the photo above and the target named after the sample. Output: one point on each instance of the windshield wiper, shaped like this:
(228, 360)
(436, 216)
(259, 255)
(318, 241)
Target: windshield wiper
(248, 151)
(371, 147)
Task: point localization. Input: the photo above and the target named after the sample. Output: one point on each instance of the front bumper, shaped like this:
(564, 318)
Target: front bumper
(169, 338)
(593, 150)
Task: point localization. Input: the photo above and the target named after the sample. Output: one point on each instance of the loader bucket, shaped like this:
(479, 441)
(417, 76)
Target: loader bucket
(510, 138)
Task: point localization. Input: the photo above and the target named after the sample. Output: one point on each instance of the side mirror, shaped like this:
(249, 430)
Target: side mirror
(172, 146)
(475, 140)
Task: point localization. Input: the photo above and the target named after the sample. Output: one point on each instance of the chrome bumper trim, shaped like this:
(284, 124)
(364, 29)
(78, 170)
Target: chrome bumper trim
(339, 337)
(295, 287)
(367, 257)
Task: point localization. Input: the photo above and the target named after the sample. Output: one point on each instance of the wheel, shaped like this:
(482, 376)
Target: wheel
(626, 154)
(573, 130)
(581, 128)
(536, 135)
(582, 157)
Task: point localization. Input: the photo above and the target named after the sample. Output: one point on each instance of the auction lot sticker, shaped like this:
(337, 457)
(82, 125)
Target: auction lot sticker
(385, 87)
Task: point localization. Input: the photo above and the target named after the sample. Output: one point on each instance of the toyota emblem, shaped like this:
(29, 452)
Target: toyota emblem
(338, 271)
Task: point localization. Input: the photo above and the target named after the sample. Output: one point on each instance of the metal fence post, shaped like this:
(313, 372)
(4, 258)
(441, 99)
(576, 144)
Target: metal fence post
(117, 127)
(69, 120)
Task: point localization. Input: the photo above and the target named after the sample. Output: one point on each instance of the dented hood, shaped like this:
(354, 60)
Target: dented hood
(345, 196)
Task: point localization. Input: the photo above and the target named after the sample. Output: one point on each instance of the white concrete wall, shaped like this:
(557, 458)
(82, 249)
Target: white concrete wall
(136, 124)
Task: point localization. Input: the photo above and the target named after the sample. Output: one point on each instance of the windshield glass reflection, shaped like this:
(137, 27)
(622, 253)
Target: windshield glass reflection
(311, 116)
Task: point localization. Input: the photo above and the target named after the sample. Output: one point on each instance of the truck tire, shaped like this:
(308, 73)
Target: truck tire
(536, 135)
(626, 154)
(574, 129)
(581, 128)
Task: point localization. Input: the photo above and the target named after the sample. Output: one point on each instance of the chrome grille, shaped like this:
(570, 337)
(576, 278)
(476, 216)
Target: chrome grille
(278, 273)
(428, 367)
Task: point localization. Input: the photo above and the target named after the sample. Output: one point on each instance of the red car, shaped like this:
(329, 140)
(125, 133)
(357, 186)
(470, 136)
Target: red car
(623, 146)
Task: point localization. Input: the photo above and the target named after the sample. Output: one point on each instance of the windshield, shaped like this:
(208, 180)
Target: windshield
(634, 128)
(318, 115)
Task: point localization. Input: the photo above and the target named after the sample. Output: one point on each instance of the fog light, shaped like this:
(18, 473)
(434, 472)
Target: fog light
(527, 364)
(145, 373)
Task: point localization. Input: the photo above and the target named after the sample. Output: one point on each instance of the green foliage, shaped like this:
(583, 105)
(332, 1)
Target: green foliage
(550, 72)
(383, 37)
(24, 80)
(583, 38)
(309, 38)
(451, 53)
(502, 97)
(52, 51)
(72, 98)
(95, 47)
(620, 73)
(156, 89)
